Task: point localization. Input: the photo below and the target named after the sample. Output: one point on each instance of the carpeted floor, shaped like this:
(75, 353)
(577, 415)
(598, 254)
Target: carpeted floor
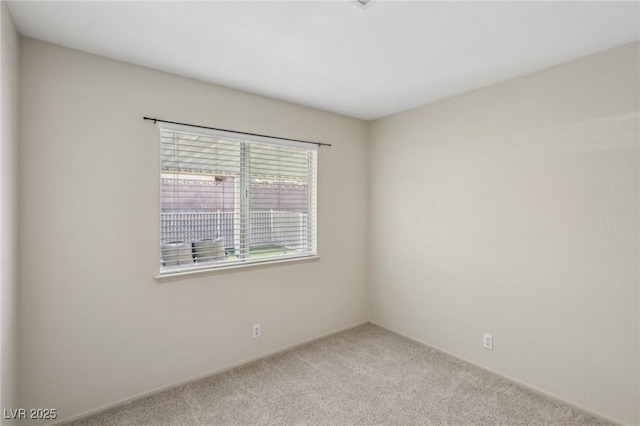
(363, 376)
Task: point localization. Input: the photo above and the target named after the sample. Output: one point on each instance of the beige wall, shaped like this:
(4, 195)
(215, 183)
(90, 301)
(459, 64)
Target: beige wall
(513, 210)
(95, 326)
(8, 209)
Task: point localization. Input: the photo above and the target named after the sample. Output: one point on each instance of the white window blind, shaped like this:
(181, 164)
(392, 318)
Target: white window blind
(228, 201)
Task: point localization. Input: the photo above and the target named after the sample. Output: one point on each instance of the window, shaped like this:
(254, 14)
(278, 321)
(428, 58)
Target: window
(228, 200)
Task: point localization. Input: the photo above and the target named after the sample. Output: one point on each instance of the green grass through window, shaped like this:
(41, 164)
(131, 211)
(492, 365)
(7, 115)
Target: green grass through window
(261, 251)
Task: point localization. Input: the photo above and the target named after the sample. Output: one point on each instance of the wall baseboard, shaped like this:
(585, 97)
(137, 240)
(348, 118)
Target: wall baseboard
(156, 391)
(508, 378)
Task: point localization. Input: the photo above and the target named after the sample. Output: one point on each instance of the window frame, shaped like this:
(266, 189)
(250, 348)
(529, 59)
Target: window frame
(243, 261)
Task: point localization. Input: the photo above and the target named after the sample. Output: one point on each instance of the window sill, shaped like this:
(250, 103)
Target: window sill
(174, 276)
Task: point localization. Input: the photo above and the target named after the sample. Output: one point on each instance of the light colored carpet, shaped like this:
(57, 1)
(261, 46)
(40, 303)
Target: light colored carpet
(364, 376)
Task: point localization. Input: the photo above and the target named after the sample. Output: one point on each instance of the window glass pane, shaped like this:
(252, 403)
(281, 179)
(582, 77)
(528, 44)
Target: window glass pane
(279, 197)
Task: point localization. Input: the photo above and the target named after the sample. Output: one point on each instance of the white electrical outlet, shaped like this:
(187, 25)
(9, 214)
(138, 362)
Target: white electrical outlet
(256, 330)
(487, 341)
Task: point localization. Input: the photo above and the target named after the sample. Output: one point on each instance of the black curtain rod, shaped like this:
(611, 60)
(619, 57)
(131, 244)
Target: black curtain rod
(155, 120)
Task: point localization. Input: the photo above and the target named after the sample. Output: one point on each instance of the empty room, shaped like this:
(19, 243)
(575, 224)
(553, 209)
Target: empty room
(369, 212)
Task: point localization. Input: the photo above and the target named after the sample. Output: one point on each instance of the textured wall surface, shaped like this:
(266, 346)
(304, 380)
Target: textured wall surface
(96, 327)
(8, 210)
(513, 210)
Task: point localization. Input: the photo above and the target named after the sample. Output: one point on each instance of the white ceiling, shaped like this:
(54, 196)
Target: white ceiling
(334, 55)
